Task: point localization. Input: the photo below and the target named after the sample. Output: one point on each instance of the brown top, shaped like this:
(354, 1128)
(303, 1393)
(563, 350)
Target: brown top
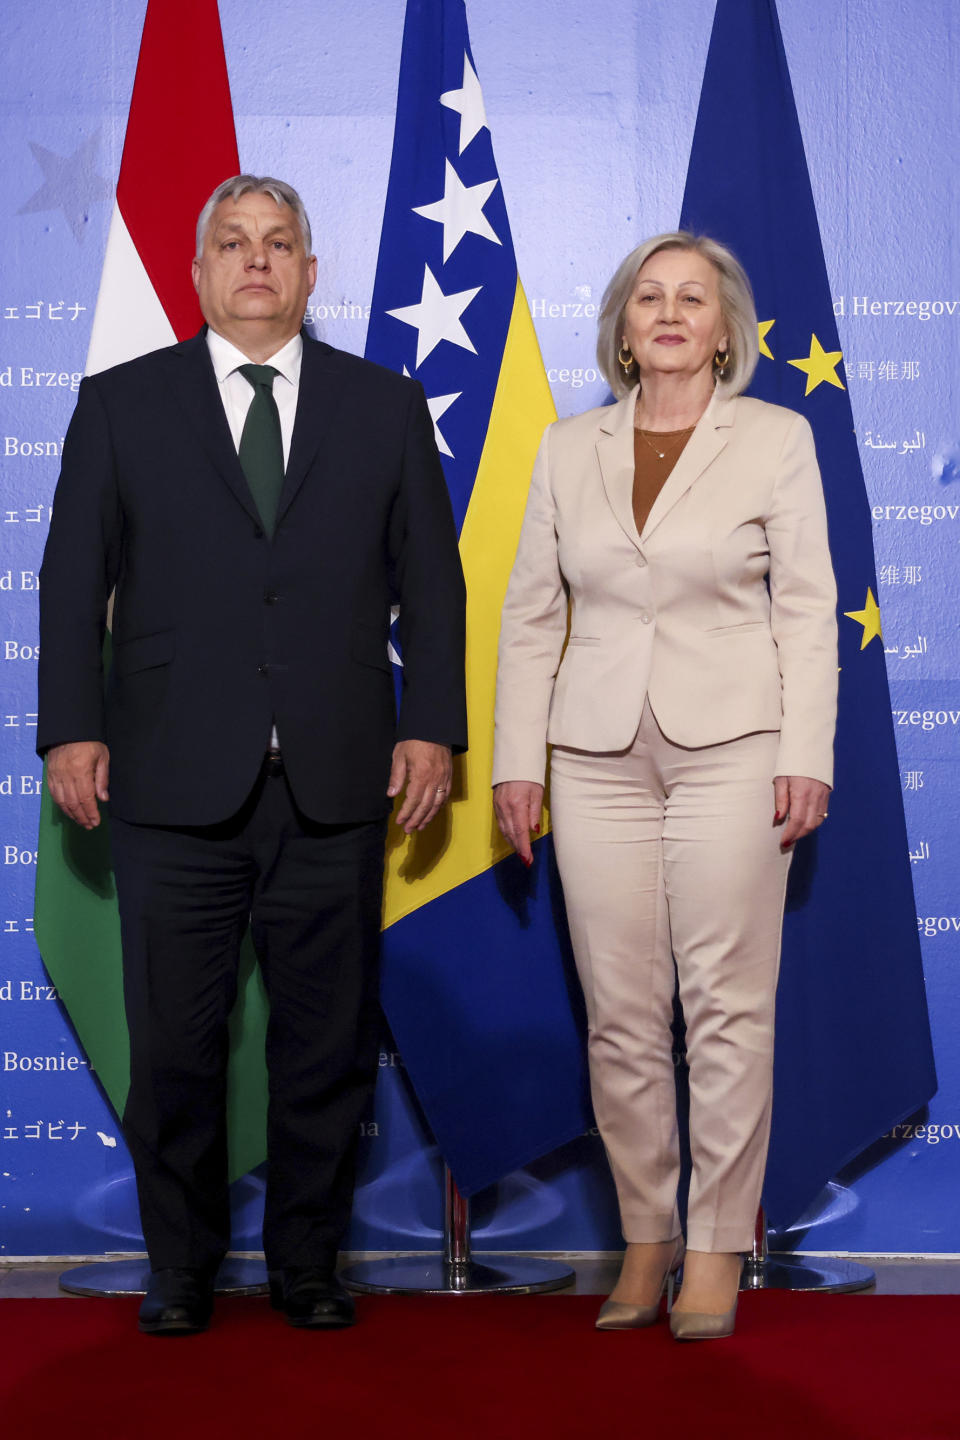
(655, 452)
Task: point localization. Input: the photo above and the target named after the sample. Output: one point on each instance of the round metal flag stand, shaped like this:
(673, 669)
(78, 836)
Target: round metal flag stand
(236, 1276)
(452, 1271)
(763, 1271)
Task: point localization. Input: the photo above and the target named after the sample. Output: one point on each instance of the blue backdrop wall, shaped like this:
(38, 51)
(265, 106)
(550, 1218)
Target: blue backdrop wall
(592, 118)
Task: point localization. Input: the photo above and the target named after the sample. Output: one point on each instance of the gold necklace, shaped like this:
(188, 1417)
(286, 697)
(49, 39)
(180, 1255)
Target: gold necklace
(662, 454)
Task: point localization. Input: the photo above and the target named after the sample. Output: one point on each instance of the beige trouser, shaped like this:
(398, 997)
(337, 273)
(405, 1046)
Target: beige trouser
(669, 854)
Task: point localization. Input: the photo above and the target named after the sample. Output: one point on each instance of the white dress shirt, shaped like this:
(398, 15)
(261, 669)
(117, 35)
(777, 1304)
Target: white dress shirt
(237, 392)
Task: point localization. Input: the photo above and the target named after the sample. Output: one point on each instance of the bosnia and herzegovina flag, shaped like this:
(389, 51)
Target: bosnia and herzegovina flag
(853, 1048)
(180, 144)
(475, 985)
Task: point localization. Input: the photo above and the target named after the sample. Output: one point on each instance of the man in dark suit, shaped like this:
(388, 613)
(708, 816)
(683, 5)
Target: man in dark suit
(256, 502)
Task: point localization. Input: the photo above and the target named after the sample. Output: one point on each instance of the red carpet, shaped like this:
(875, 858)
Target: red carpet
(504, 1368)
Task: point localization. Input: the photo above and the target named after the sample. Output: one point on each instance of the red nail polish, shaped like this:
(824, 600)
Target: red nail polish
(776, 816)
(536, 829)
(526, 861)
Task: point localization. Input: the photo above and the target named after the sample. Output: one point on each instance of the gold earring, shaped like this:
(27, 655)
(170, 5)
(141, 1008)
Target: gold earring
(720, 362)
(627, 364)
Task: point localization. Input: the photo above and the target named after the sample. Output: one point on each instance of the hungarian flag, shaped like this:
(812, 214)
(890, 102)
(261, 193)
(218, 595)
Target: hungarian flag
(180, 144)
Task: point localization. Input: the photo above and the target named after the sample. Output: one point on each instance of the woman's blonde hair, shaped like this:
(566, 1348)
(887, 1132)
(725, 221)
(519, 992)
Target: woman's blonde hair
(736, 302)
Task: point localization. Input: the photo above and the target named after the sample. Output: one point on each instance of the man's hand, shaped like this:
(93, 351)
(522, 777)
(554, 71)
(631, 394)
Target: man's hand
(519, 805)
(801, 806)
(426, 770)
(77, 777)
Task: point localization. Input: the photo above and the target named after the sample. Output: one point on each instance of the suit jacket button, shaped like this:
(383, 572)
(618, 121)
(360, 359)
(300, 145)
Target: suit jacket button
(270, 598)
(257, 533)
(646, 617)
(641, 560)
(263, 669)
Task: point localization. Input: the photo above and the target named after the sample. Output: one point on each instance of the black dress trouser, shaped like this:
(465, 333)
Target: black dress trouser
(311, 894)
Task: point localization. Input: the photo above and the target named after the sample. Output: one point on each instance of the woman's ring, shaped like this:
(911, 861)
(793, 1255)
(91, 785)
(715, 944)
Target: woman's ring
(823, 815)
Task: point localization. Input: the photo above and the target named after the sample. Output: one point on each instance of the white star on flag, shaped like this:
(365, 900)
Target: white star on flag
(437, 317)
(393, 654)
(460, 212)
(468, 102)
(438, 406)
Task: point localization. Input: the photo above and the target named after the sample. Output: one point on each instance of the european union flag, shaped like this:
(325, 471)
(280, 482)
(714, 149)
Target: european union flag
(475, 973)
(853, 1048)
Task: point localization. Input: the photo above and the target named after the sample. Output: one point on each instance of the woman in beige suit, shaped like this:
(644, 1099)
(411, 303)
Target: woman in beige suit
(690, 706)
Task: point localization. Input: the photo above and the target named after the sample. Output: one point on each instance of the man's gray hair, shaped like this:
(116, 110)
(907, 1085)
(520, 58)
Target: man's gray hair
(736, 302)
(239, 185)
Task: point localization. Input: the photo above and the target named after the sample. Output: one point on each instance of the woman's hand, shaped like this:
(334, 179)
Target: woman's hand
(801, 806)
(519, 804)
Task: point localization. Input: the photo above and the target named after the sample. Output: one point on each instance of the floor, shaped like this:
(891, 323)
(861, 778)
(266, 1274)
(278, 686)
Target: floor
(595, 1275)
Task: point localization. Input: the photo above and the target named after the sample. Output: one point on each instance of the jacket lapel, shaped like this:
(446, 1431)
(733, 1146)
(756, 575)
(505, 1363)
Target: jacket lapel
(194, 385)
(700, 451)
(317, 401)
(615, 454)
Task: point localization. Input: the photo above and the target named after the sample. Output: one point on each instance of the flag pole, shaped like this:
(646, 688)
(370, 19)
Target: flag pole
(783, 1271)
(452, 1270)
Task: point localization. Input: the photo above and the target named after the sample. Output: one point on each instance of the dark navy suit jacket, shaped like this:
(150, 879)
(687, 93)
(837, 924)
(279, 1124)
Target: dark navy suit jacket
(219, 631)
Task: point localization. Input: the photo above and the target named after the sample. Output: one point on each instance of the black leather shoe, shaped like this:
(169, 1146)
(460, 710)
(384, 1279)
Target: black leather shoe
(311, 1299)
(178, 1302)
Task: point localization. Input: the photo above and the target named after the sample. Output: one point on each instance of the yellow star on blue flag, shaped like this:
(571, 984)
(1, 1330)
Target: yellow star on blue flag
(819, 366)
(869, 618)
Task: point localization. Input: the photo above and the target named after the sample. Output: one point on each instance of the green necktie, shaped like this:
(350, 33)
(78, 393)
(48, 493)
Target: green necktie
(261, 444)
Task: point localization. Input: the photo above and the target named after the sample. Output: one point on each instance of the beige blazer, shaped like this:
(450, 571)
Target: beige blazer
(723, 611)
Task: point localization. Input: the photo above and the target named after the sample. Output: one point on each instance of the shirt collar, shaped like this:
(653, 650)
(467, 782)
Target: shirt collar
(226, 358)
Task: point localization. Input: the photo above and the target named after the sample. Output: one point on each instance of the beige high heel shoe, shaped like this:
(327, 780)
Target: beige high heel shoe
(619, 1315)
(692, 1325)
